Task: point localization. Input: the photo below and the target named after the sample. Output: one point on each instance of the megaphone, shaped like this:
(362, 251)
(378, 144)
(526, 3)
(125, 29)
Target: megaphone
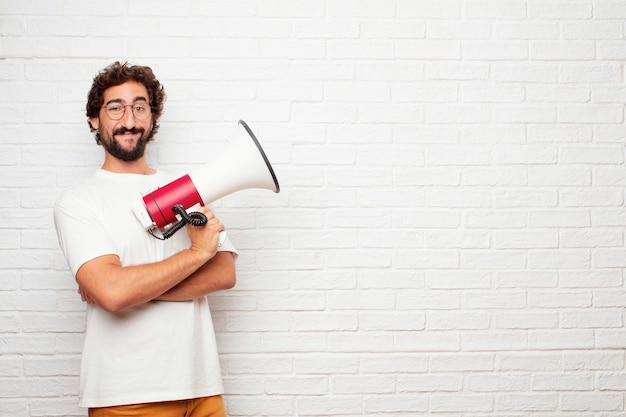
(243, 165)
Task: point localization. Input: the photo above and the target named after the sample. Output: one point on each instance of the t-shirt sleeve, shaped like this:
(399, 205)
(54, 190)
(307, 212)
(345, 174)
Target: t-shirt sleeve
(227, 246)
(81, 231)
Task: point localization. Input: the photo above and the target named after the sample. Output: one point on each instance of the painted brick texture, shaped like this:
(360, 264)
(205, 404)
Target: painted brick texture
(449, 238)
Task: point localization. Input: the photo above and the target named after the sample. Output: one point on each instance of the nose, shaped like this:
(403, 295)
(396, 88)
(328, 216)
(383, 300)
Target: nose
(128, 118)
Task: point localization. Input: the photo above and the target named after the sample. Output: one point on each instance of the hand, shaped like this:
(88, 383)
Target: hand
(206, 238)
(85, 297)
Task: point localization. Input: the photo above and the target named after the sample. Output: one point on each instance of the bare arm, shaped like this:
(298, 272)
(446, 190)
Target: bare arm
(115, 287)
(217, 274)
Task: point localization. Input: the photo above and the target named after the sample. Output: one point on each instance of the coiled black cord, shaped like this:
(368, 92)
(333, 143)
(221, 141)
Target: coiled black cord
(195, 218)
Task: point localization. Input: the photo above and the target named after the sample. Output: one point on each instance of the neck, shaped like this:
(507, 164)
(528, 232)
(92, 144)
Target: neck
(140, 166)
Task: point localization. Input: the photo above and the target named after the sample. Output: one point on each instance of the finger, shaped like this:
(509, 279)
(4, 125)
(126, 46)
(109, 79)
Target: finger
(204, 210)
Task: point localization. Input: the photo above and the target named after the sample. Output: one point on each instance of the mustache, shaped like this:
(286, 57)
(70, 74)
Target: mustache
(133, 130)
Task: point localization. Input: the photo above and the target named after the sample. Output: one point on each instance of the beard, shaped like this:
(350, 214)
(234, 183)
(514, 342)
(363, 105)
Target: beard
(114, 148)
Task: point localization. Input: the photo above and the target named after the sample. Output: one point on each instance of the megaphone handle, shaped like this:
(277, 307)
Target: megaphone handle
(194, 218)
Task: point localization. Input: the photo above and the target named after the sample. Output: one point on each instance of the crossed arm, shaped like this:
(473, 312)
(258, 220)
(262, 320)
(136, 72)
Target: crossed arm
(189, 274)
(105, 282)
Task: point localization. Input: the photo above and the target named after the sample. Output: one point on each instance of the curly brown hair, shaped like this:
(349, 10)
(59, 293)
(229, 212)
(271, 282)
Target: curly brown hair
(119, 73)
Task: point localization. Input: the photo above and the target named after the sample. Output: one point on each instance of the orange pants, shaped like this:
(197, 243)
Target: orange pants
(197, 407)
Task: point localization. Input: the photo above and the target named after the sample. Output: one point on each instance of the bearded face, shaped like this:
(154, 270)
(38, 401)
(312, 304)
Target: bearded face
(118, 149)
(124, 124)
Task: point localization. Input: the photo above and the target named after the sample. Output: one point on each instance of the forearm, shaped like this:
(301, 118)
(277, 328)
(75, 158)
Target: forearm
(115, 287)
(217, 274)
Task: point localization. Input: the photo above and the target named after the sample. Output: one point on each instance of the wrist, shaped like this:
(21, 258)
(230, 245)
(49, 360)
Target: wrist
(199, 254)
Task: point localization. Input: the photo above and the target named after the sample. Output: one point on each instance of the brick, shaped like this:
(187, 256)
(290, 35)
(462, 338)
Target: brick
(592, 402)
(585, 239)
(59, 365)
(596, 73)
(612, 382)
(303, 322)
(587, 114)
(524, 320)
(559, 259)
(431, 341)
(602, 318)
(488, 300)
(529, 361)
(404, 365)
(562, 50)
(451, 70)
(611, 50)
(395, 321)
(465, 402)
(428, 49)
(610, 339)
(610, 9)
(320, 406)
(307, 385)
(457, 29)
(497, 382)
(490, 259)
(395, 403)
(484, 9)
(495, 50)
(63, 407)
(559, 340)
(556, 299)
(514, 198)
(429, 9)
(365, 384)
(559, 9)
(526, 72)
(277, 406)
(533, 30)
(590, 278)
(514, 402)
(429, 383)
(478, 362)
(391, 29)
(593, 361)
(461, 320)
(359, 342)
(526, 279)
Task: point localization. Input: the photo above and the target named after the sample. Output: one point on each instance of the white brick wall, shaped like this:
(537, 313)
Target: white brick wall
(449, 237)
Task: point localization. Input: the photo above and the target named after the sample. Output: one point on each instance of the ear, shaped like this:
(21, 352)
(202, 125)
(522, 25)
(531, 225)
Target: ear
(94, 122)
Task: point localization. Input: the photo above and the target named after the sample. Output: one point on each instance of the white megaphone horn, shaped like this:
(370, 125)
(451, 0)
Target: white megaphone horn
(243, 165)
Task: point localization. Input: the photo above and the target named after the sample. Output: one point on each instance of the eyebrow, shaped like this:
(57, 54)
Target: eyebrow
(119, 100)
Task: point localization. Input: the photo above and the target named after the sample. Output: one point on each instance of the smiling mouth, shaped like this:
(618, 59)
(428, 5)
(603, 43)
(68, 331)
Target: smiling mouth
(127, 132)
(126, 135)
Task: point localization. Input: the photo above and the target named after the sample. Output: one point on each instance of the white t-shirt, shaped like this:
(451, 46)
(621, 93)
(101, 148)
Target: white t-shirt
(157, 351)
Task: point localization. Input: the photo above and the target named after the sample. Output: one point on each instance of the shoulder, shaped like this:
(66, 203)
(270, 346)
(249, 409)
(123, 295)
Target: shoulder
(77, 192)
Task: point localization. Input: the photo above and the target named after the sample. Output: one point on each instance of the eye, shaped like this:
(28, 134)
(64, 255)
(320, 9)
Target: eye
(140, 108)
(115, 108)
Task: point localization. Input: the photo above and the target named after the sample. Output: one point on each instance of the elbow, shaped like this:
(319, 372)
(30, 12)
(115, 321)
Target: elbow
(227, 271)
(229, 281)
(114, 308)
(107, 300)
(112, 305)
(114, 302)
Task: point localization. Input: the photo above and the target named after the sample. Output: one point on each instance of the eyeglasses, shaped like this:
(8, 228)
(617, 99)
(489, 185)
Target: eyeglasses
(116, 111)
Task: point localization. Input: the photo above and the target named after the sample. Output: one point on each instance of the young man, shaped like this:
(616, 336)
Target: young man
(149, 343)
